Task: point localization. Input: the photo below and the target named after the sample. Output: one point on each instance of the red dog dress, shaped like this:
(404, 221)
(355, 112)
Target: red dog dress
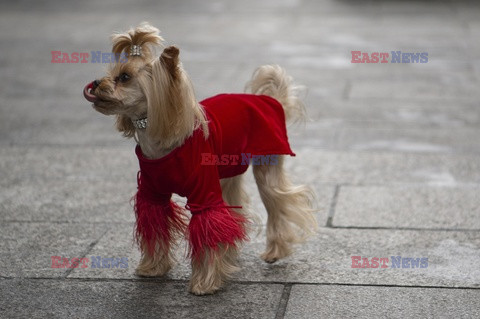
(240, 126)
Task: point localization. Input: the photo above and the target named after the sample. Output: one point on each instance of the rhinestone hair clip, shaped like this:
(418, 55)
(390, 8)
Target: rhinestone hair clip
(140, 123)
(135, 50)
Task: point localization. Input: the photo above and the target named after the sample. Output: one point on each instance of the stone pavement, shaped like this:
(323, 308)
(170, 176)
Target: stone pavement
(392, 152)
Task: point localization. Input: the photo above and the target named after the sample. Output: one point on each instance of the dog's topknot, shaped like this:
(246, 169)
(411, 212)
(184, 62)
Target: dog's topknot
(144, 36)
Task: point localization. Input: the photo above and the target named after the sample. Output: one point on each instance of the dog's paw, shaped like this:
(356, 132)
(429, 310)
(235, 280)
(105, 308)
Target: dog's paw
(202, 286)
(199, 291)
(149, 273)
(269, 257)
(157, 271)
(275, 251)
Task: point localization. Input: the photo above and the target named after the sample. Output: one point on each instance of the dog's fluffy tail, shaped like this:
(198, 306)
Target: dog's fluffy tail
(273, 80)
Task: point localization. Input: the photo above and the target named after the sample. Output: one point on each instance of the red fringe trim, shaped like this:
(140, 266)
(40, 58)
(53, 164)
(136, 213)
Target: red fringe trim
(210, 227)
(157, 223)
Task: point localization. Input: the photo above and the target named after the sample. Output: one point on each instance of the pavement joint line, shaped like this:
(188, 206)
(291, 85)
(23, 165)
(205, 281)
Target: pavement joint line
(239, 282)
(406, 184)
(321, 227)
(67, 222)
(333, 205)
(87, 250)
(282, 306)
(407, 228)
(411, 99)
(113, 145)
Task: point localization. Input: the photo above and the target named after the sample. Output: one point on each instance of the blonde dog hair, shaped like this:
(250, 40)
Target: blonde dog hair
(172, 108)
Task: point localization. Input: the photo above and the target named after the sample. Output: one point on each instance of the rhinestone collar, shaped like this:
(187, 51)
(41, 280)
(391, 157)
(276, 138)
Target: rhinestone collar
(140, 123)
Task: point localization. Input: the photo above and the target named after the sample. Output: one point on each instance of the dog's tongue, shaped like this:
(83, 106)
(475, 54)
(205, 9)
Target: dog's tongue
(86, 93)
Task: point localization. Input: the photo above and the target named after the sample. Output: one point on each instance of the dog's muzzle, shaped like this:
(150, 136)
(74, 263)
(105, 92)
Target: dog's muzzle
(88, 89)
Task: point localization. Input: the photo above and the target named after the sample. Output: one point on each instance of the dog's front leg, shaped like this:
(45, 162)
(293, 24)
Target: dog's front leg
(214, 234)
(154, 264)
(158, 226)
(210, 271)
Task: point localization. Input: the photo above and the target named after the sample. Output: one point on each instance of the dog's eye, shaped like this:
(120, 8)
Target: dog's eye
(124, 77)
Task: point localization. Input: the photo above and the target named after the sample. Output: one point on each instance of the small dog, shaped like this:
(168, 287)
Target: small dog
(198, 150)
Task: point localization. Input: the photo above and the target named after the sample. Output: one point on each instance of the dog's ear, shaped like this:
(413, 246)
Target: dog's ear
(169, 60)
(124, 124)
(165, 100)
(173, 111)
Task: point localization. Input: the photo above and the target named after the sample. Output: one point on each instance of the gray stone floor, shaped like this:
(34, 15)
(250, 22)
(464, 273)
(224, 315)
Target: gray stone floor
(392, 152)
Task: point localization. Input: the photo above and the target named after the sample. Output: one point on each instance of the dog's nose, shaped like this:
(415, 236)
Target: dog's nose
(95, 84)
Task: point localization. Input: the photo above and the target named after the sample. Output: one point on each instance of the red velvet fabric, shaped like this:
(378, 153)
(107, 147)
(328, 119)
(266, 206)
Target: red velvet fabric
(238, 123)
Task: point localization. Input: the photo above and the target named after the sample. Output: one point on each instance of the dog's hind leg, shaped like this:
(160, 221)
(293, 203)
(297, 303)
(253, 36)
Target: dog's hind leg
(234, 194)
(289, 208)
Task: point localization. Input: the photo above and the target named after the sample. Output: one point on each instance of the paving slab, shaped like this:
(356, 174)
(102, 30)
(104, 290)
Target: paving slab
(431, 207)
(437, 140)
(68, 201)
(400, 89)
(445, 64)
(386, 113)
(43, 298)
(23, 124)
(383, 168)
(26, 249)
(383, 302)
(117, 243)
(326, 258)
(365, 138)
(39, 164)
